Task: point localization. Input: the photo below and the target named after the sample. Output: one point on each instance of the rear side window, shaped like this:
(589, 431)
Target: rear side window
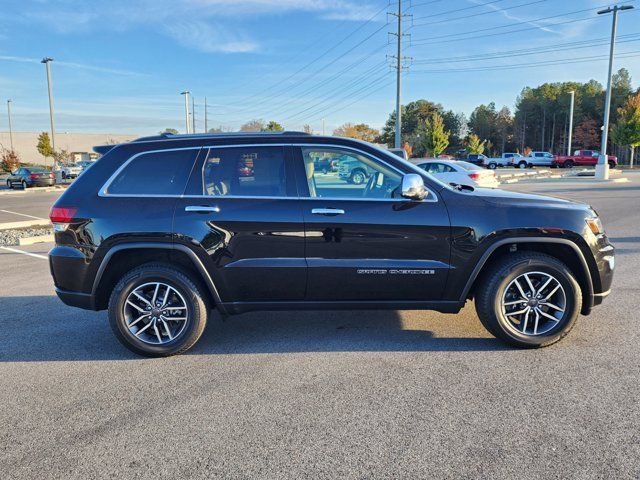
(155, 173)
(245, 171)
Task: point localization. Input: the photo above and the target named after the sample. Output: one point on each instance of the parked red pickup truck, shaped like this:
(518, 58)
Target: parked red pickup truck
(582, 158)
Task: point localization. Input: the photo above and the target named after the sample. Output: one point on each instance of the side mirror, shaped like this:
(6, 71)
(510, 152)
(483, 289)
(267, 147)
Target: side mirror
(413, 187)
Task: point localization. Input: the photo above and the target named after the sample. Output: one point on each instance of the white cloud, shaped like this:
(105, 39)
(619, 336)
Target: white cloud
(209, 37)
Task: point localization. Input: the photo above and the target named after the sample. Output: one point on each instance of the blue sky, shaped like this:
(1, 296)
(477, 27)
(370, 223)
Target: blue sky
(120, 65)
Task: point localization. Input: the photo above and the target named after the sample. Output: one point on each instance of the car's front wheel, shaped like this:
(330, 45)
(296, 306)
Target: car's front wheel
(528, 299)
(358, 177)
(157, 311)
(492, 165)
(523, 165)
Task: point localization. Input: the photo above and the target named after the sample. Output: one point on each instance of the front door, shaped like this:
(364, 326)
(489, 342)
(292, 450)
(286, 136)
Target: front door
(364, 242)
(242, 212)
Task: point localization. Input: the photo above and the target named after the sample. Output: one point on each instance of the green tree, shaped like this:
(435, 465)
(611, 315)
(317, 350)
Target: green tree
(273, 126)
(435, 139)
(361, 131)
(171, 131)
(626, 132)
(474, 144)
(44, 145)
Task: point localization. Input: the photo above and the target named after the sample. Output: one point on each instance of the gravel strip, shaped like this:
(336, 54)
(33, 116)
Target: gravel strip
(10, 237)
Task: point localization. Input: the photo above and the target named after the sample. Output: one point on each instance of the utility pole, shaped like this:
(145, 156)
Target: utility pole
(47, 62)
(186, 111)
(323, 127)
(399, 67)
(10, 126)
(206, 124)
(570, 136)
(602, 168)
(193, 115)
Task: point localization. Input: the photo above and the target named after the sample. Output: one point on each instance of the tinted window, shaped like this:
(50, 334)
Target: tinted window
(155, 173)
(245, 171)
(357, 175)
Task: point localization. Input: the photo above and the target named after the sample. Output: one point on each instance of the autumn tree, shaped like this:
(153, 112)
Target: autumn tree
(360, 131)
(626, 132)
(9, 160)
(434, 137)
(255, 125)
(587, 135)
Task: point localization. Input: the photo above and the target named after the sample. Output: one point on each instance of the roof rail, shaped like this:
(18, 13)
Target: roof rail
(167, 136)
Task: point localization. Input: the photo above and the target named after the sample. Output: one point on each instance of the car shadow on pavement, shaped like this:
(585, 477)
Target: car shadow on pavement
(41, 328)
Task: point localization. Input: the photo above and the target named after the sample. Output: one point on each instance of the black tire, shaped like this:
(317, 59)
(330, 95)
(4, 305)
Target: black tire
(23, 184)
(568, 164)
(63, 175)
(523, 165)
(492, 166)
(9, 185)
(197, 314)
(492, 286)
(612, 165)
(358, 177)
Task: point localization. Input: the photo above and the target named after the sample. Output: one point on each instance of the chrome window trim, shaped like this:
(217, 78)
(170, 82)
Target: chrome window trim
(103, 192)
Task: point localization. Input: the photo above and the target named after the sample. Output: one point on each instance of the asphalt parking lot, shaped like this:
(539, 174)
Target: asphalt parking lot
(376, 394)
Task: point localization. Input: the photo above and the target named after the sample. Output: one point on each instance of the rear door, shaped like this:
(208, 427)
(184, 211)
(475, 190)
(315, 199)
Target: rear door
(242, 214)
(364, 242)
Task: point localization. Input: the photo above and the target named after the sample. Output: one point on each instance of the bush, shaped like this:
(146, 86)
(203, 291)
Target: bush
(9, 160)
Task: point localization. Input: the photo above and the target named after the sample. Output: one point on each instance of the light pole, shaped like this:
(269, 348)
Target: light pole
(602, 168)
(10, 126)
(47, 62)
(186, 111)
(573, 94)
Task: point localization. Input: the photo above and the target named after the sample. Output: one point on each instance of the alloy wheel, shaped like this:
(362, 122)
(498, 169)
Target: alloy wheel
(534, 303)
(155, 313)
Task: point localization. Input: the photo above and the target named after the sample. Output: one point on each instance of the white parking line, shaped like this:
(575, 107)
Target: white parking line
(23, 214)
(15, 250)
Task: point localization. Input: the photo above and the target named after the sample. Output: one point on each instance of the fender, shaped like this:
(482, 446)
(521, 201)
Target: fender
(506, 241)
(197, 263)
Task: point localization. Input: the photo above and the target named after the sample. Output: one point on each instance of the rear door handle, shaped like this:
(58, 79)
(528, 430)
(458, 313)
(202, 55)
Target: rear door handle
(201, 209)
(327, 211)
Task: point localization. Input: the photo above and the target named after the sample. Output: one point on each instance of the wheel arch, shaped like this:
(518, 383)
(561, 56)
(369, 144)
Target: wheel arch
(179, 256)
(567, 251)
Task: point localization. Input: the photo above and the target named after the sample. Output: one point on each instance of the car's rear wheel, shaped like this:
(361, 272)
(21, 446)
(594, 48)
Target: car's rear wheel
(157, 311)
(568, 164)
(523, 165)
(358, 177)
(528, 299)
(612, 165)
(492, 165)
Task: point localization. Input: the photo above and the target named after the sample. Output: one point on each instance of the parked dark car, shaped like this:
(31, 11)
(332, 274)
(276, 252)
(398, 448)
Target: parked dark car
(326, 164)
(478, 159)
(160, 253)
(31, 177)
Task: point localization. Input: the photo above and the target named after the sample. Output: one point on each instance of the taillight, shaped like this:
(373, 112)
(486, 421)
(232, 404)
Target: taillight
(51, 175)
(61, 217)
(474, 176)
(33, 176)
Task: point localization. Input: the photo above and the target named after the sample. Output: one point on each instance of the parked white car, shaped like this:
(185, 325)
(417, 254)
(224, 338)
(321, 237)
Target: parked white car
(459, 172)
(540, 159)
(71, 170)
(506, 160)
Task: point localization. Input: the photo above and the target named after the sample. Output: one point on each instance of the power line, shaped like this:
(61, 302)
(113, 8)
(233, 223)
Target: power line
(477, 5)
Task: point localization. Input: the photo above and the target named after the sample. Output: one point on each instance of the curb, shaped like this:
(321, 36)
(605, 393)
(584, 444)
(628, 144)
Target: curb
(39, 239)
(59, 188)
(25, 224)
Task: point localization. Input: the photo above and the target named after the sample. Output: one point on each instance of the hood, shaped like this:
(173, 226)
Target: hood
(495, 196)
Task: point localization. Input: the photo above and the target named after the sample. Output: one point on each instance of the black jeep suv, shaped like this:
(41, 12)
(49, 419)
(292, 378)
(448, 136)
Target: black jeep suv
(163, 229)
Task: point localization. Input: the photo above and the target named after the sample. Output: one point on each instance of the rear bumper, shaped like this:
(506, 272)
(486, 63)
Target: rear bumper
(85, 301)
(49, 182)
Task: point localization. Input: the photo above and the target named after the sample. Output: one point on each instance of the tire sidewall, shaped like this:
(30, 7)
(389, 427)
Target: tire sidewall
(135, 279)
(572, 309)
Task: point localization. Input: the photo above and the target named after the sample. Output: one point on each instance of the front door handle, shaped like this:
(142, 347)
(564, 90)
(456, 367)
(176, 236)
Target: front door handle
(327, 211)
(201, 209)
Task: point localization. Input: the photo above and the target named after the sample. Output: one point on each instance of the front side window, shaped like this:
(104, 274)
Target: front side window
(353, 175)
(155, 173)
(245, 171)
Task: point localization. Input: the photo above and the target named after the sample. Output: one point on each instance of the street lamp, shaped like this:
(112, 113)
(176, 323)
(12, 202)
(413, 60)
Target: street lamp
(47, 61)
(573, 94)
(10, 127)
(602, 168)
(186, 110)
